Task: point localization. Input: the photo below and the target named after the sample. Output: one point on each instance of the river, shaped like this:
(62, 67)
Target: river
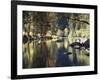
(51, 53)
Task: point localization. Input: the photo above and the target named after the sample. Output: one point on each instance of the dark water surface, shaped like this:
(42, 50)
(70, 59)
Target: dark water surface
(51, 53)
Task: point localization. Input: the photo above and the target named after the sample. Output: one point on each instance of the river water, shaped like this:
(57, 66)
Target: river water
(51, 53)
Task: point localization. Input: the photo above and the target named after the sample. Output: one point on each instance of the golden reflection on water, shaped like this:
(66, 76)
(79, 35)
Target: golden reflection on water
(50, 53)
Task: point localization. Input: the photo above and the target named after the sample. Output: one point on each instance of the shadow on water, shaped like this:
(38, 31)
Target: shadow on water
(48, 53)
(75, 61)
(62, 57)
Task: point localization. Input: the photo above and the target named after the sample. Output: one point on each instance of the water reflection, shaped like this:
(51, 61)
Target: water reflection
(50, 53)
